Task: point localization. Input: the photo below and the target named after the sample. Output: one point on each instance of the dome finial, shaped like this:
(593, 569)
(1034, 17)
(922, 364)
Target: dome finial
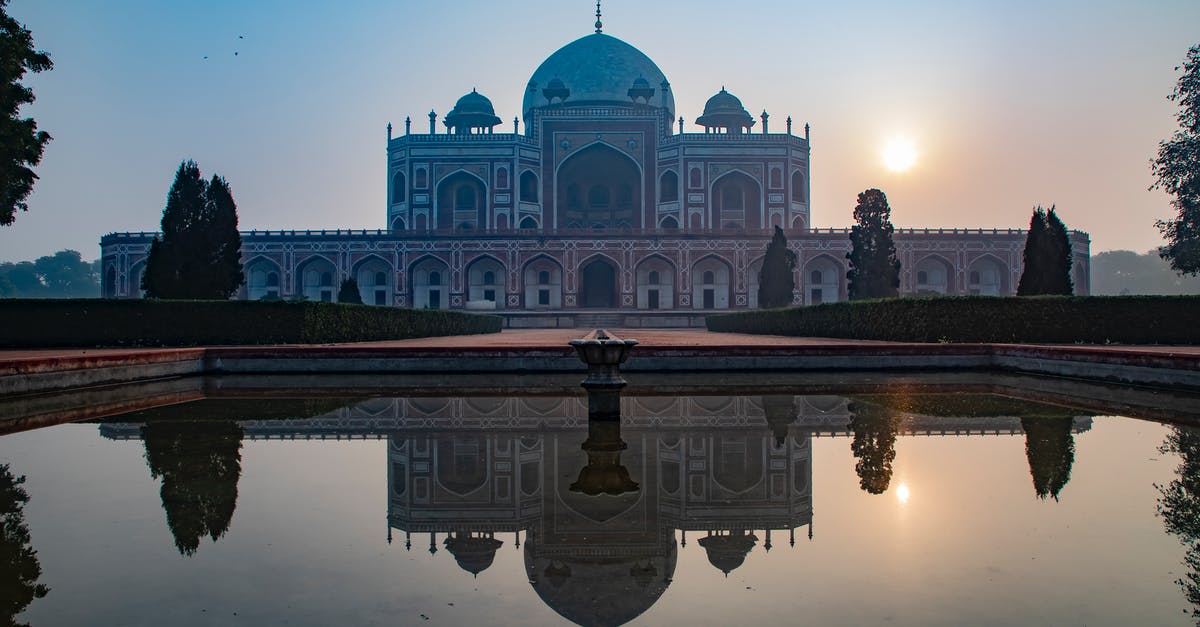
(599, 24)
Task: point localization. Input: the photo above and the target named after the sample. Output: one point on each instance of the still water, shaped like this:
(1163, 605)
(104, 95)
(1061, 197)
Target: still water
(854, 509)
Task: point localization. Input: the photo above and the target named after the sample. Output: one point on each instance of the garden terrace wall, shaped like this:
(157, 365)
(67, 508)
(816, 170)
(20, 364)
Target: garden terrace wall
(1041, 319)
(45, 323)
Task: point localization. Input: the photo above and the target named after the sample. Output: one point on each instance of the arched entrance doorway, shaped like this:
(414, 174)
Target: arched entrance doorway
(598, 285)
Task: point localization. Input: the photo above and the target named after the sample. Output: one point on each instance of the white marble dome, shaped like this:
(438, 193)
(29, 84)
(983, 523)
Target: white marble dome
(597, 69)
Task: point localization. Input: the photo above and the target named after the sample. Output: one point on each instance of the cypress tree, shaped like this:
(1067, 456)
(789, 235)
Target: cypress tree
(1060, 244)
(874, 268)
(223, 242)
(1033, 274)
(348, 293)
(1047, 257)
(199, 255)
(775, 279)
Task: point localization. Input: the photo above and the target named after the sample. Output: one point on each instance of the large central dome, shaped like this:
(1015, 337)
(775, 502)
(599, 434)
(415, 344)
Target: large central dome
(597, 69)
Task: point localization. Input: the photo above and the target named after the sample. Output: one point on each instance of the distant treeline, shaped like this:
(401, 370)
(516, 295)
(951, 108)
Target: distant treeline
(1119, 272)
(62, 275)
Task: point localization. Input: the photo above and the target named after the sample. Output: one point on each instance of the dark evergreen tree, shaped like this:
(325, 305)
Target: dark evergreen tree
(21, 143)
(1060, 281)
(348, 293)
(874, 444)
(1034, 259)
(199, 463)
(223, 242)
(199, 255)
(874, 268)
(776, 279)
(1047, 257)
(1177, 171)
(19, 567)
(1050, 449)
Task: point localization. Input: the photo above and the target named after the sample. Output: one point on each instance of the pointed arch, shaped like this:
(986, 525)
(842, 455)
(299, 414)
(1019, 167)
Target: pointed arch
(485, 283)
(263, 276)
(399, 188)
(668, 186)
(823, 278)
(710, 277)
(736, 201)
(599, 281)
(529, 186)
(655, 279)
(374, 275)
(752, 280)
(461, 202)
(429, 281)
(799, 192)
(987, 275)
(599, 186)
(316, 278)
(934, 274)
(542, 279)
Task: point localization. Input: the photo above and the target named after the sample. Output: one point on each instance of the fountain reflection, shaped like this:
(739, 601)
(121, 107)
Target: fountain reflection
(19, 566)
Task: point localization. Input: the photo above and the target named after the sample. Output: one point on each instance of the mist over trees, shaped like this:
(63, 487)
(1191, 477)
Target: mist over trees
(62, 275)
(21, 143)
(1117, 272)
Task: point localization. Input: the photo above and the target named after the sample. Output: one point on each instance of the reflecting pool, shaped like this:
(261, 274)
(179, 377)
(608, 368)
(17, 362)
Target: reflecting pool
(906, 505)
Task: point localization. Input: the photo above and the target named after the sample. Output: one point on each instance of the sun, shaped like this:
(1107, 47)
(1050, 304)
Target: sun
(900, 154)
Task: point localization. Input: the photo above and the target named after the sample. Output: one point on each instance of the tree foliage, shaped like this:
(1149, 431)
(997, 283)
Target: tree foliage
(199, 463)
(1179, 506)
(349, 293)
(874, 268)
(21, 143)
(776, 279)
(1050, 449)
(1177, 171)
(199, 254)
(874, 444)
(1047, 257)
(19, 567)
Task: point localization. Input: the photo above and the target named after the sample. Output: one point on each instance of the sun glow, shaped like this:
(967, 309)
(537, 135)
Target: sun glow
(902, 493)
(900, 154)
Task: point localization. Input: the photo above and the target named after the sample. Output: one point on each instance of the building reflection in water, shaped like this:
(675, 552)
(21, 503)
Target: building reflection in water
(600, 526)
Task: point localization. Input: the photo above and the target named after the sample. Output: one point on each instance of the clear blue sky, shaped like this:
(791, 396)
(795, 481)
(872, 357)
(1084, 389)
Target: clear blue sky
(1010, 104)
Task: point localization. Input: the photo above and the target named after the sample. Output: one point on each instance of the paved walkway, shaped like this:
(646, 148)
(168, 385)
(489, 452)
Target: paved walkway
(558, 338)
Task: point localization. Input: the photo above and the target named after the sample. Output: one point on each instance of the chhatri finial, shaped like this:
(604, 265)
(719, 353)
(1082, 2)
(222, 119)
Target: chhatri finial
(599, 24)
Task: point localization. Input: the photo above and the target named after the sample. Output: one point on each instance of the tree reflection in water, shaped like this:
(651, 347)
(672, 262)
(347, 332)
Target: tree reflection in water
(874, 444)
(200, 463)
(1050, 448)
(19, 567)
(1179, 506)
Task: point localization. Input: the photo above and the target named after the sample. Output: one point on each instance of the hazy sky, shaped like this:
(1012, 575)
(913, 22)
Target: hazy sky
(1010, 104)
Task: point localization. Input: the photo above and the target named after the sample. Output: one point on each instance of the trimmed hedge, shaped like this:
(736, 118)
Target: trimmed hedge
(1047, 319)
(44, 323)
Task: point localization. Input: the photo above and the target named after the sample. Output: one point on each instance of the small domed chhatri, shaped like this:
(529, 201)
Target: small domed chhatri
(473, 112)
(724, 112)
